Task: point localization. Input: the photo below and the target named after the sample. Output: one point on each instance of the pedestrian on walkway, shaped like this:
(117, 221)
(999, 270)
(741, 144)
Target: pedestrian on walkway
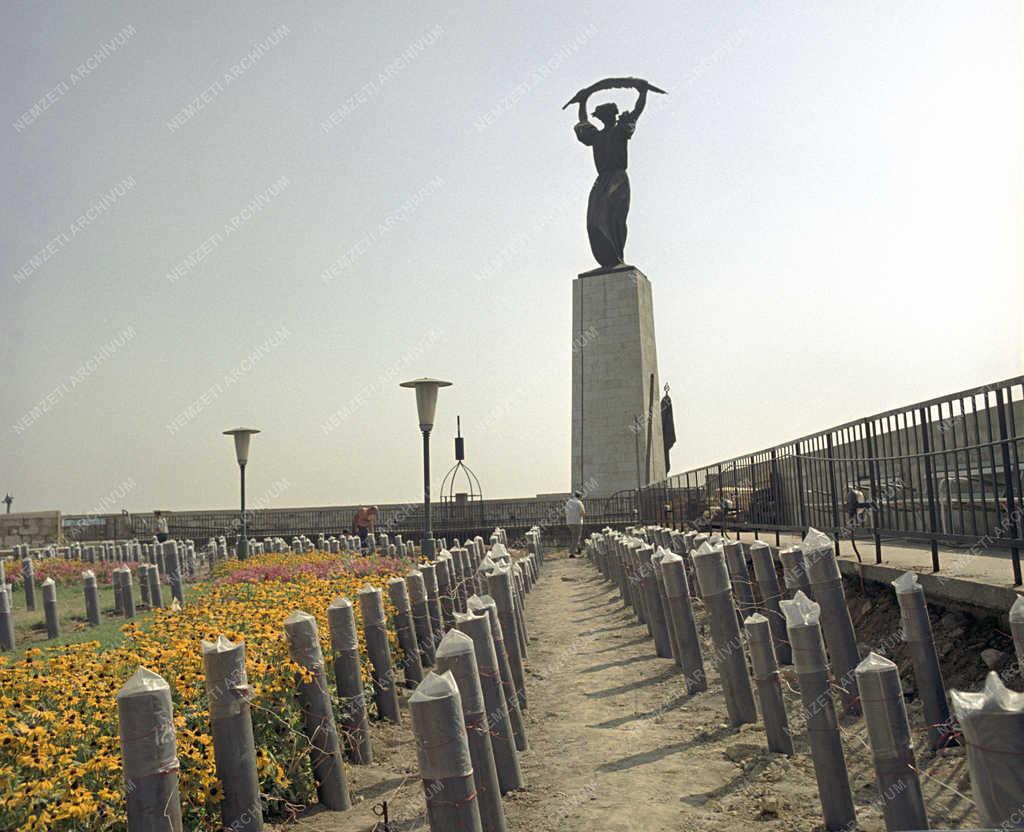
(160, 526)
(574, 522)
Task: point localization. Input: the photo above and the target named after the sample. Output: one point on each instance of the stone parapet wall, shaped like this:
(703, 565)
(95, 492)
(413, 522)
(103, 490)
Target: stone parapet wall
(36, 528)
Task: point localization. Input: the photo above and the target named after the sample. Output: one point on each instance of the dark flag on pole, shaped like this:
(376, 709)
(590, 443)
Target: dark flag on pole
(668, 426)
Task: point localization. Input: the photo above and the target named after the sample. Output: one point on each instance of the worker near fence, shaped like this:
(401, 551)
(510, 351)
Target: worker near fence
(574, 521)
(364, 523)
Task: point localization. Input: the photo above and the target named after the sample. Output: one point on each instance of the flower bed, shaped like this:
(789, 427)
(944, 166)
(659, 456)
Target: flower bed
(65, 572)
(287, 567)
(60, 760)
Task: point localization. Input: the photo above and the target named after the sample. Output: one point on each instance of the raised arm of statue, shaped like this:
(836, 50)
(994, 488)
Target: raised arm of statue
(641, 102)
(582, 116)
(585, 131)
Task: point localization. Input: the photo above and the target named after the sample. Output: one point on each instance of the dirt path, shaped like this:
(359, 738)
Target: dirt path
(616, 745)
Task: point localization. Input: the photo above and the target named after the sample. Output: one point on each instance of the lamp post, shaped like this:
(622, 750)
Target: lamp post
(426, 404)
(242, 453)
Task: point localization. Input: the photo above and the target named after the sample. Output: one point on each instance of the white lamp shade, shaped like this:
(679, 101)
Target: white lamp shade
(241, 442)
(426, 398)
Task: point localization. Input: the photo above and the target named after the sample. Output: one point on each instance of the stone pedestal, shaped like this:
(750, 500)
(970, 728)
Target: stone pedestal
(616, 413)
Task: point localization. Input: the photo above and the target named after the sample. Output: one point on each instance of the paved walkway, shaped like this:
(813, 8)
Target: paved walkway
(990, 566)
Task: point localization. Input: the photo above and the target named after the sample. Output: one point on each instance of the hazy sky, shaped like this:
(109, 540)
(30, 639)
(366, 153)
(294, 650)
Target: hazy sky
(270, 214)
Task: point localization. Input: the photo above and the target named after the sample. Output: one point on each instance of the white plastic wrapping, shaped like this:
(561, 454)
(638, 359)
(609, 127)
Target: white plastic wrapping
(712, 573)
(398, 594)
(820, 557)
(303, 642)
(441, 744)
(992, 721)
(879, 684)
(371, 604)
(759, 634)
(804, 630)
(148, 738)
(342, 623)
(801, 611)
(417, 588)
(905, 583)
(457, 654)
(227, 683)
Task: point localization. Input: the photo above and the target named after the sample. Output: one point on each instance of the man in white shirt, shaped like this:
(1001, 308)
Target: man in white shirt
(574, 520)
(160, 522)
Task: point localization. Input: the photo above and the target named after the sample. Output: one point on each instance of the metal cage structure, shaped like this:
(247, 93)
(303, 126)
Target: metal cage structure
(460, 507)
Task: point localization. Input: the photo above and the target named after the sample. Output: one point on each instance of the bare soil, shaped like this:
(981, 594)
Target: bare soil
(616, 745)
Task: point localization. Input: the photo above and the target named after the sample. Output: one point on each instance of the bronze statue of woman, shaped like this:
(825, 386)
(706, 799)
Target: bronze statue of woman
(609, 197)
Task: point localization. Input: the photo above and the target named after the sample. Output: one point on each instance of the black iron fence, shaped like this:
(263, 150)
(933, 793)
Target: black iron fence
(449, 519)
(944, 471)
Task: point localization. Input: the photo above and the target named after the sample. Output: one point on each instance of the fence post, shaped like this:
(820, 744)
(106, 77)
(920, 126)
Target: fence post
(115, 583)
(725, 633)
(421, 615)
(933, 517)
(173, 569)
(28, 577)
(801, 493)
(484, 604)
(827, 583)
(833, 496)
(375, 633)
(869, 431)
(769, 688)
(1010, 473)
(127, 593)
(1017, 630)
(433, 602)
(794, 571)
(50, 608)
(500, 589)
(506, 759)
(993, 726)
(445, 589)
(6, 621)
(149, 753)
(802, 622)
(456, 655)
(771, 594)
(318, 715)
(917, 633)
(442, 750)
(155, 592)
(234, 749)
(348, 678)
(739, 576)
(776, 495)
(891, 742)
(655, 613)
(406, 632)
(659, 578)
(680, 610)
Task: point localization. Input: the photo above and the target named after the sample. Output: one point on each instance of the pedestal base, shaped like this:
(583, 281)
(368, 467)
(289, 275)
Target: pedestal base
(616, 413)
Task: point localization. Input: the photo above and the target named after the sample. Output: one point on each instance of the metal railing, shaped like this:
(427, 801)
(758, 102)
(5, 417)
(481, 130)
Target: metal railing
(944, 471)
(449, 519)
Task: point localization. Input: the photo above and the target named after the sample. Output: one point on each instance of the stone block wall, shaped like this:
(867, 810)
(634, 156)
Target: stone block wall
(36, 528)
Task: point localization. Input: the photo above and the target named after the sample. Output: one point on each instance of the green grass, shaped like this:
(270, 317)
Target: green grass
(30, 627)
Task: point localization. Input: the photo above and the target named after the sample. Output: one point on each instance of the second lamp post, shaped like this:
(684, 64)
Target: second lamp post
(426, 405)
(242, 452)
